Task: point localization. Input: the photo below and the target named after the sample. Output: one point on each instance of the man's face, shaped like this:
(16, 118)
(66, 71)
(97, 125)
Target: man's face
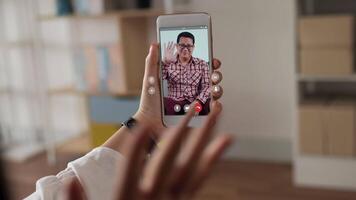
(185, 47)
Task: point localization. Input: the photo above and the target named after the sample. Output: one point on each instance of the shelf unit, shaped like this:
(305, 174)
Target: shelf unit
(326, 171)
(326, 78)
(131, 31)
(22, 131)
(133, 41)
(121, 14)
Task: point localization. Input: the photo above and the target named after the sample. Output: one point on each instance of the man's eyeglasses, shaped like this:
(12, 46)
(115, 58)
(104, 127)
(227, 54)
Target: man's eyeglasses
(182, 46)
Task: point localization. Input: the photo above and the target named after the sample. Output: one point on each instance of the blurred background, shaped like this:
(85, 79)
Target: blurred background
(71, 71)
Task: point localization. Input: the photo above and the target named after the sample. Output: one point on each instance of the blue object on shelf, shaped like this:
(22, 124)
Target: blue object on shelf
(107, 109)
(81, 7)
(64, 7)
(103, 59)
(79, 69)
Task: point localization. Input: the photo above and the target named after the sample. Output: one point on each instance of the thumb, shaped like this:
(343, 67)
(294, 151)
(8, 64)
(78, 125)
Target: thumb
(151, 68)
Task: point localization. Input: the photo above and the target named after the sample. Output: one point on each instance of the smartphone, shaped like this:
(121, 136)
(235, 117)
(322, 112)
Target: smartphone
(185, 43)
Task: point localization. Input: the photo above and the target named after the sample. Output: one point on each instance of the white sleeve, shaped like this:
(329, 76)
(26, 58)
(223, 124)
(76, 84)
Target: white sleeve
(96, 171)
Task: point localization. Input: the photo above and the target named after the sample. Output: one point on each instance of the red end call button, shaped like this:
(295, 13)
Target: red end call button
(198, 107)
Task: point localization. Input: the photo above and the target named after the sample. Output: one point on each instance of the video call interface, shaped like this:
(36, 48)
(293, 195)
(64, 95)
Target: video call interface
(185, 69)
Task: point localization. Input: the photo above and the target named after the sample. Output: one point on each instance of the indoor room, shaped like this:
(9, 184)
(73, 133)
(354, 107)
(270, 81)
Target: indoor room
(178, 99)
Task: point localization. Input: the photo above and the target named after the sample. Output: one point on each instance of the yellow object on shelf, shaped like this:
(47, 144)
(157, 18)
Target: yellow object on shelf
(100, 132)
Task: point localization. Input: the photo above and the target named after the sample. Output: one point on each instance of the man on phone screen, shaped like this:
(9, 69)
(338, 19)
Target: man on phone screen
(187, 77)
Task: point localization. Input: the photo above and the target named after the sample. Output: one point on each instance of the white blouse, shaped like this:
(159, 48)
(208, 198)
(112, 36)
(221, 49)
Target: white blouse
(96, 171)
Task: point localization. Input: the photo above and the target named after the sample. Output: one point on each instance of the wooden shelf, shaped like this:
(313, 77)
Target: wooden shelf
(79, 145)
(327, 78)
(120, 14)
(7, 91)
(65, 91)
(74, 91)
(4, 91)
(131, 46)
(320, 170)
(20, 43)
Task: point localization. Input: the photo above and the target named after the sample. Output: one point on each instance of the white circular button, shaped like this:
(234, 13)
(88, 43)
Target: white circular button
(151, 90)
(151, 80)
(186, 107)
(177, 107)
(215, 77)
(216, 88)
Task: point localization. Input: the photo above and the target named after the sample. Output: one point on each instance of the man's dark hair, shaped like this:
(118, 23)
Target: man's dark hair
(185, 34)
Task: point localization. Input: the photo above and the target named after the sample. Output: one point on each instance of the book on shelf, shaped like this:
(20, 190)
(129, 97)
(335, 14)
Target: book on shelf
(68, 114)
(116, 79)
(91, 76)
(102, 69)
(79, 69)
(86, 7)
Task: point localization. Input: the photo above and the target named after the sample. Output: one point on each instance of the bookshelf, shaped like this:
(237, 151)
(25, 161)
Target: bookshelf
(20, 114)
(325, 171)
(131, 32)
(133, 13)
(45, 98)
(327, 78)
(325, 168)
(81, 42)
(74, 91)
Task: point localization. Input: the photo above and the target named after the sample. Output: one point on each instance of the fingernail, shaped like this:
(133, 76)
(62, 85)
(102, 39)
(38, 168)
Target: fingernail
(216, 77)
(192, 108)
(216, 88)
(217, 106)
(151, 48)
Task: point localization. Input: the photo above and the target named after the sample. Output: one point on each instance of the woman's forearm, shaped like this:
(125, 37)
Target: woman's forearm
(117, 141)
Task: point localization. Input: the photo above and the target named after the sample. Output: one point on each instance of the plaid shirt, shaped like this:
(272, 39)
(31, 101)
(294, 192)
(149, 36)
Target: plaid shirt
(189, 82)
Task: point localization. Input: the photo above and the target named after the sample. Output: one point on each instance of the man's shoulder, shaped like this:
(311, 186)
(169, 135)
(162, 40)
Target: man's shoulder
(200, 61)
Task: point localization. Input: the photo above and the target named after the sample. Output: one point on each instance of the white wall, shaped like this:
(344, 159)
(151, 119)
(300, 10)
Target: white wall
(255, 39)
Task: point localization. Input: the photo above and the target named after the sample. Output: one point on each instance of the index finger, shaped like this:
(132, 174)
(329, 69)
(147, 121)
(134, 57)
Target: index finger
(127, 187)
(160, 165)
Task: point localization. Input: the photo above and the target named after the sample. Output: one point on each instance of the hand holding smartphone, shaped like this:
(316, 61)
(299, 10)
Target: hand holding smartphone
(185, 66)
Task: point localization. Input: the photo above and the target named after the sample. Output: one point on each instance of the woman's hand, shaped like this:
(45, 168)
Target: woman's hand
(172, 172)
(150, 106)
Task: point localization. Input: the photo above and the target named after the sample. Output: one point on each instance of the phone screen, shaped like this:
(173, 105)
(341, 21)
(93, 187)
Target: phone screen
(185, 68)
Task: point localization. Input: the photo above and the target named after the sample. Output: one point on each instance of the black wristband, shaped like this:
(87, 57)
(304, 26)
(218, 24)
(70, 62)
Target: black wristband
(130, 123)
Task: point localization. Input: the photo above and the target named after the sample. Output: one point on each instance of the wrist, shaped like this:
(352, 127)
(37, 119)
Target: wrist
(117, 140)
(149, 119)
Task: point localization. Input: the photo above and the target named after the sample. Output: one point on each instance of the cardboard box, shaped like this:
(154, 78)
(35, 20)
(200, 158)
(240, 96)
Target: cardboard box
(328, 128)
(340, 135)
(311, 131)
(333, 31)
(328, 61)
